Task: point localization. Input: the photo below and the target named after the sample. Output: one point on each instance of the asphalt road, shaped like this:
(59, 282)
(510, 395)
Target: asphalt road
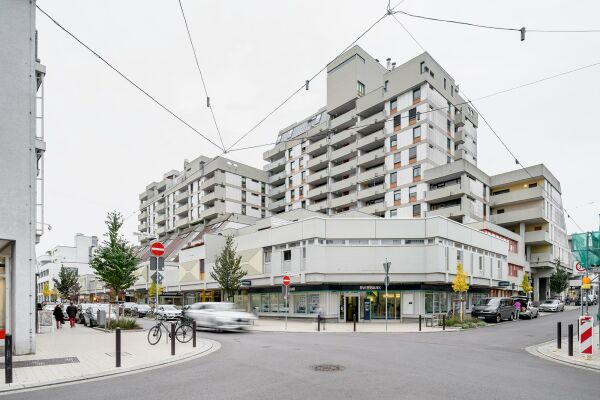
(486, 363)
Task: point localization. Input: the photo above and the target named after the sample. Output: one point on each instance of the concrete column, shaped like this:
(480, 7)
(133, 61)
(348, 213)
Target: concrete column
(522, 240)
(536, 288)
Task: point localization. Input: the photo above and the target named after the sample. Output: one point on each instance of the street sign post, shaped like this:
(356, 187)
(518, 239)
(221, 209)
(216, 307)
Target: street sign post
(157, 263)
(386, 268)
(586, 335)
(286, 280)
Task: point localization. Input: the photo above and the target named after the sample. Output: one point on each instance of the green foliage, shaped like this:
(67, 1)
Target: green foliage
(154, 287)
(559, 280)
(525, 285)
(459, 284)
(115, 261)
(123, 323)
(228, 271)
(466, 323)
(67, 284)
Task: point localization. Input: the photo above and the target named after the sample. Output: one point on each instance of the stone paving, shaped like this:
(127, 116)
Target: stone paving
(95, 352)
(550, 351)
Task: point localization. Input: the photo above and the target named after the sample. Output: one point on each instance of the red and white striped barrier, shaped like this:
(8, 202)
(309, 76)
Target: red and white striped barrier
(586, 335)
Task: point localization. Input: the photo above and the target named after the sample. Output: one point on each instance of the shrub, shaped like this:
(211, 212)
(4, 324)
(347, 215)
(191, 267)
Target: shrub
(468, 322)
(124, 323)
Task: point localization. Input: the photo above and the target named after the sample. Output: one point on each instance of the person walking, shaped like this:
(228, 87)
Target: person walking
(58, 316)
(71, 313)
(517, 309)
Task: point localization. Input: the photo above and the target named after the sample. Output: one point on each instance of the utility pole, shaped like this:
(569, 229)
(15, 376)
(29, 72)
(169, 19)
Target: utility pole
(386, 268)
(587, 257)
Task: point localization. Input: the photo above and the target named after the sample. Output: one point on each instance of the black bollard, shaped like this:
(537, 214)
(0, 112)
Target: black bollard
(8, 376)
(319, 323)
(558, 334)
(570, 340)
(419, 322)
(194, 333)
(118, 347)
(172, 339)
(444, 322)
(354, 319)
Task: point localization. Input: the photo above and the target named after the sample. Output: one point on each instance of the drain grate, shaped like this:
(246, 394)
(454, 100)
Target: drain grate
(43, 362)
(327, 368)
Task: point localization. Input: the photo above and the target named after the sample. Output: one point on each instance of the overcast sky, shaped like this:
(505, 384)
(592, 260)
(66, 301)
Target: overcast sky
(106, 141)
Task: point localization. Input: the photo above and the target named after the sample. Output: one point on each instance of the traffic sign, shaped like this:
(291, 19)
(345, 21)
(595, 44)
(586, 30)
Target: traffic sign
(578, 267)
(586, 336)
(157, 249)
(586, 282)
(156, 277)
(286, 280)
(157, 262)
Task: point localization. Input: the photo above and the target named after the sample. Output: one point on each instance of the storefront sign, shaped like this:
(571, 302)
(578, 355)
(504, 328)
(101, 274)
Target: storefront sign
(503, 283)
(369, 288)
(246, 282)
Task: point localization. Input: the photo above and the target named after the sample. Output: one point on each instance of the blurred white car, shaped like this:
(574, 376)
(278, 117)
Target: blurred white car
(168, 311)
(91, 314)
(553, 305)
(220, 316)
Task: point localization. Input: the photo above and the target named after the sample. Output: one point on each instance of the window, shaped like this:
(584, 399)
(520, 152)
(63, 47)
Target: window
(444, 83)
(243, 181)
(290, 153)
(500, 211)
(412, 153)
(243, 209)
(292, 165)
(303, 204)
(393, 179)
(397, 160)
(267, 253)
(532, 185)
(448, 144)
(452, 90)
(300, 161)
(448, 160)
(290, 182)
(417, 133)
(422, 67)
(243, 196)
(301, 191)
(303, 176)
(412, 193)
(412, 116)
(448, 126)
(263, 187)
(201, 270)
(459, 255)
(393, 213)
(293, 194)
(417, 172)
(393, 142)
(397, 195)
(416, 95)
(360, 89)
(287, 255)
(480, 263)
(394, 105)
(263, 213)
(417, 210)
(397, 120)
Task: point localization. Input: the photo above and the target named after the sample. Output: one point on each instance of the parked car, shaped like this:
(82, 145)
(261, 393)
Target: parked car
(553, 305)
(494, 309)
(91, 314)
(168, 311)
(81, 312)
(219, 316)
(529, 309)
(127, 307)
(591, 300)
(141, 310)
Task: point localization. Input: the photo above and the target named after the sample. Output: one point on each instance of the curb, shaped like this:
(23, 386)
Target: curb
(535, 351)
(11, 388)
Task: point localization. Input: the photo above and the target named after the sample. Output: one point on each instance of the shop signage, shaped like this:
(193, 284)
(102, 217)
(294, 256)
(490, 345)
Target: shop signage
(503, 283)
(375, 287)
(246, 282)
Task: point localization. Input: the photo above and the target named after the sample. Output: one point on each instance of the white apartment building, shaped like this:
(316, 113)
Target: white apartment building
(21, 170)
(202, 191)
(76, 258)
(368, 148)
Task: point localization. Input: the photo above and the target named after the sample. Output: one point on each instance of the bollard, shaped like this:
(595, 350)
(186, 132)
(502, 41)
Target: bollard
(558, 335)
(319, 323)
(8, 376)
(444, 322)
(354, 319)
(172, 339)
(570, 340)
(419, 322)
(194, 333)
(118, 347)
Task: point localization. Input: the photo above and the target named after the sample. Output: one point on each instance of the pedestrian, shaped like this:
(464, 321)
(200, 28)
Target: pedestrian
(517, 309)
(58, 316)
(71, 313)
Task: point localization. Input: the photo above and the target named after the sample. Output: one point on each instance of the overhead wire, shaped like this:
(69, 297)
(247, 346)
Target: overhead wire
(137, 86)
(208, 102)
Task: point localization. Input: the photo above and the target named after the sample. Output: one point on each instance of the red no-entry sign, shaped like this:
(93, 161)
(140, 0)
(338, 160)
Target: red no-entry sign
(286, 280)
(157, 249)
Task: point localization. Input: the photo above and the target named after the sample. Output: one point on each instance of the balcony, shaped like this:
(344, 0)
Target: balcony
(346, 136)
(372, 158)
(343, 121)
(142, 227)
(535, 259)
(459, 119)
(318, 162)
(529, 215)
(348, 151)
(318, 192)
(344, 200)
(217, 194)
(371, 174)
(277, 191)
(445, 193)
(537, 238)
(210, 182)
(318, 147)
(182, 223)
(374, 208)
(275, 166)
(371, 141)
(316, 178)
(371, 193)
(142, 216)
(182, 197)
(279, 149)
(160, 208)
(276, 205)
(161, 230)
(448, 212)
(277, 179)
(318, 206)
(160, 219)
(460, 136)
(378, 118)
(343, 168)
(183, 210)
(517, 196)
(214, 211)
(344, 184)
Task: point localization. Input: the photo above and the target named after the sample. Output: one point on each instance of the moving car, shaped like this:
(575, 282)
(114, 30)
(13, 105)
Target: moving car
(91, 314)
(494, 309)
(529, 309)
(219, 316)
(553, 305)
(168, 311)
(141, 310)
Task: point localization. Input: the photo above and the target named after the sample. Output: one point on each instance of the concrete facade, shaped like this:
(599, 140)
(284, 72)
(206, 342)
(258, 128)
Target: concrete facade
(21, 166)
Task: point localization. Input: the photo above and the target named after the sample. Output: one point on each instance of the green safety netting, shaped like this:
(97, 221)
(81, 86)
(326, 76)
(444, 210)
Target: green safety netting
(586, 248)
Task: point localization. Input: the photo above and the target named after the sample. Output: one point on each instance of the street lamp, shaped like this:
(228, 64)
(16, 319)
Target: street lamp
(386, 268)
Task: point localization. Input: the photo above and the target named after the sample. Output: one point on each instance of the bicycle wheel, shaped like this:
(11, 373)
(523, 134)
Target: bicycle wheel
(184, 333)
(154, 334)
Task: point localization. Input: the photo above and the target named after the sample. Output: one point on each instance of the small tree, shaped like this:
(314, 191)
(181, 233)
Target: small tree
(67, 284)
(228, 272)
(154, 288)
(559, 280)
(525, 285)
(47, 292)
(460, 285)
(115, 261)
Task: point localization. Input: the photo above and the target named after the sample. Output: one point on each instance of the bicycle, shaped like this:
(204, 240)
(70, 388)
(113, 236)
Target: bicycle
(183, 332)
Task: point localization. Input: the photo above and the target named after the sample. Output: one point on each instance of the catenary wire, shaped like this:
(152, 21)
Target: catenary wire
(208, 103)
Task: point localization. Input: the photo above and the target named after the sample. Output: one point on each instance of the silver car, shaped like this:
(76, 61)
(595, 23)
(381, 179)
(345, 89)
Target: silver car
(552, 305)
(219, 316)
(168, 311)
(91, 314)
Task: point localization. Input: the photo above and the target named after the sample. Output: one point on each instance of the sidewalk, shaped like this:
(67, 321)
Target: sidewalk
(548, 350)
(80, 353)
(278, 325)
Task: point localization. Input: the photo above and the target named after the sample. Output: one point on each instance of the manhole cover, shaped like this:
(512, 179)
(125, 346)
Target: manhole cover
(328, 368)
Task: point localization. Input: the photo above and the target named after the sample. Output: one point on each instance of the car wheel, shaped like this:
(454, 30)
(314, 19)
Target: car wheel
(498, 318)
(511, 317)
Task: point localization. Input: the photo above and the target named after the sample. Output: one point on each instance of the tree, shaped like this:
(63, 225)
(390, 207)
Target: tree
(559, 280)
(525, 285)
(228, 272)
(115, 261)
(46, 291)
(153, 289)
(67, 284)
(460, 285)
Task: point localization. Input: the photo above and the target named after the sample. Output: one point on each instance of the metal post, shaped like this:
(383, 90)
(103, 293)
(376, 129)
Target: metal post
(587, 258)
(172, 339)
(156, 290)
(354, 319)
(444, 322)
(118, 347)
(318, 322)
(419, 322)
(8, 376)
(558, 335)
(386, 268)
(570, 339)
(287, 306)
(194, 333)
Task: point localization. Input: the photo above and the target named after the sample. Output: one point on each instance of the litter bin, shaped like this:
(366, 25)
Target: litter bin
(101, 317)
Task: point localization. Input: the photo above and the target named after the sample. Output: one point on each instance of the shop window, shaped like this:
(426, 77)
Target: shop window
(313, 303)
(300, 304)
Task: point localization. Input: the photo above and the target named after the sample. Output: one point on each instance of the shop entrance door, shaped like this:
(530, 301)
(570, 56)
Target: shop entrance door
(352, 308)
